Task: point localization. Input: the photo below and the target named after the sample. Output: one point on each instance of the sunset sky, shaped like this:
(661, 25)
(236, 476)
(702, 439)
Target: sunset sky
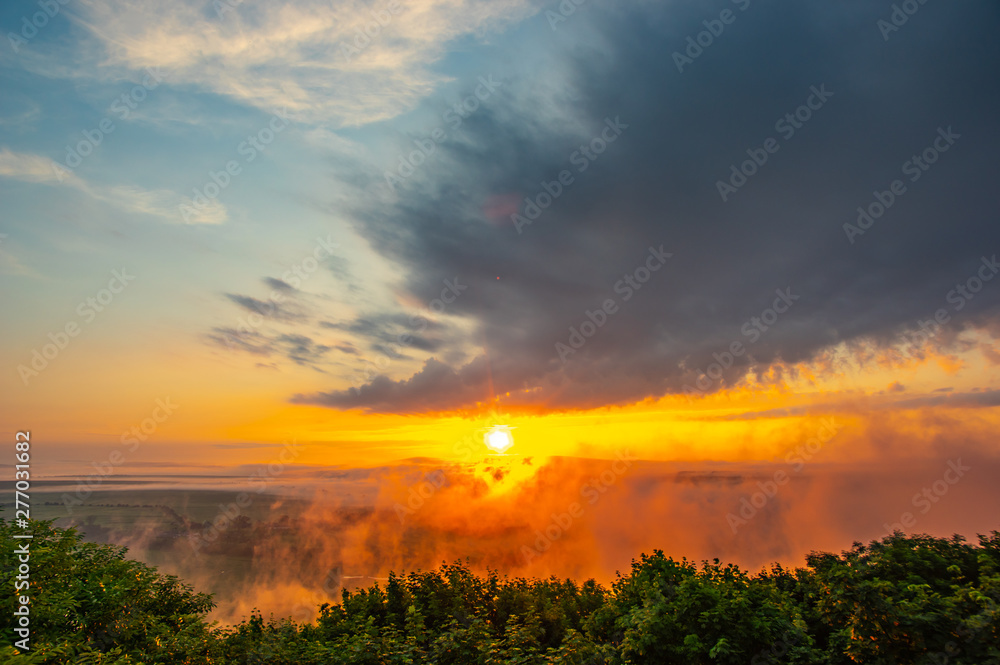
(694, 230)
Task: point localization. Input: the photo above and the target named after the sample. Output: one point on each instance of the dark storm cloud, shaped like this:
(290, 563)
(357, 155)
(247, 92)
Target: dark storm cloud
(655, 185)
(430, 388)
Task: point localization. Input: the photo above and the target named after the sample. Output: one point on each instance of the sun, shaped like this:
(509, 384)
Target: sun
(499, 439)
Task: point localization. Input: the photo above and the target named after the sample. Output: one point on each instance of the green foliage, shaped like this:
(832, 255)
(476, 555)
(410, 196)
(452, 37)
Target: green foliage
(89, 604)
(916, 600)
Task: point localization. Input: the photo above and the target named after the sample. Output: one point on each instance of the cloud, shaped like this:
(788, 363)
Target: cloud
(580, 518)
(249, 341)
(161, 203)
(432, 388)
(984, 399)
(385, 331)
(270, 308)
(11, 265)
(302, 350)
(278, 284)
(656, 185)
(31, 168)
(19, 112)
(283, 326)
(299, 349)
(295, 56)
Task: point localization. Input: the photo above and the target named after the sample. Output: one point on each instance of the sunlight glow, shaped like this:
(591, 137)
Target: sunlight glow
(499, 439)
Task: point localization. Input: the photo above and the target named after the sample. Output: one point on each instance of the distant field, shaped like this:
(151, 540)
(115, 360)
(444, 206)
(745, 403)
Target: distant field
(156, 525)
(198, 505)
(111, 507)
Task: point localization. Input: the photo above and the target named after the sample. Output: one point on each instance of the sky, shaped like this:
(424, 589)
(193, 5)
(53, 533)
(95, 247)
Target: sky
(696, 231)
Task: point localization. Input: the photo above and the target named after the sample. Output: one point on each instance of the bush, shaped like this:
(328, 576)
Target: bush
(915, 600)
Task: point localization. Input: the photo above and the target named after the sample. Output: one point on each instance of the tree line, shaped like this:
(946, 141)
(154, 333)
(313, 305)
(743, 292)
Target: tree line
(901, 600)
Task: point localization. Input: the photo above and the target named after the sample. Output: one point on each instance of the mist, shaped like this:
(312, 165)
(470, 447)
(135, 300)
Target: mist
(287, 547)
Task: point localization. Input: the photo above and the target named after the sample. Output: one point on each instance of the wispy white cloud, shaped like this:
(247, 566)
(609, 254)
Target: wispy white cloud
(333, 142)
(10, 264)
(27, 167)
(27, 114)
(161, 203)
(312, 57)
